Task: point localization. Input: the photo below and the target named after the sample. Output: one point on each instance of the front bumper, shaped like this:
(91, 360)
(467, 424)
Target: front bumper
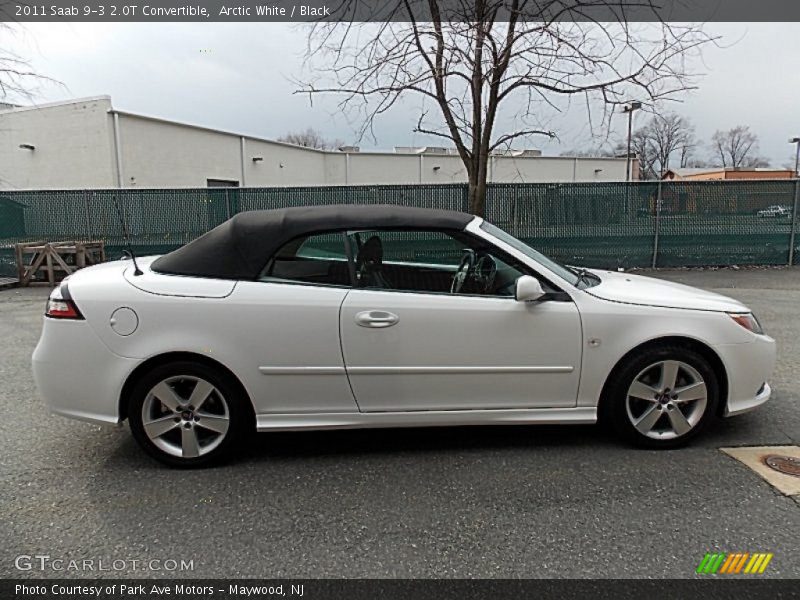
(748, 367)
(745, 406)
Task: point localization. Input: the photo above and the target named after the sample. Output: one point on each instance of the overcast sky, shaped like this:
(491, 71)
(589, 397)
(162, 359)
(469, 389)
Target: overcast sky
(235, 77)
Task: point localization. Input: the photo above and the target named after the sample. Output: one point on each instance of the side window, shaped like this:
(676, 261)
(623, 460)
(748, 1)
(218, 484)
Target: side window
(431, 262)
(316, 259)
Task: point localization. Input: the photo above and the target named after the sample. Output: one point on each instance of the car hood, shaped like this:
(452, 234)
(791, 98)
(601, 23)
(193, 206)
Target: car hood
(647, 291)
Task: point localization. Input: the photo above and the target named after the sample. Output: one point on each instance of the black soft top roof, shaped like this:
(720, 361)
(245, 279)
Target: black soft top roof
(241, 246)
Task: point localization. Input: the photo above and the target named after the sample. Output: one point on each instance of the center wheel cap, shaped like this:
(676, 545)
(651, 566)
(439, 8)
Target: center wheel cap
(187, 415)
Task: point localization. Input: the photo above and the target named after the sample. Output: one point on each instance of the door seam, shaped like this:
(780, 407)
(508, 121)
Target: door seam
(341, 350)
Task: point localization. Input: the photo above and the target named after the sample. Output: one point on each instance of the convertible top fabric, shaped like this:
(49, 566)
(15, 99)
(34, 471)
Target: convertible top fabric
(240, 247)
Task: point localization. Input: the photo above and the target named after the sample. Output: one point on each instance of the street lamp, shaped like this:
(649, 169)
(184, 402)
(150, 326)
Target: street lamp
(630, 108)
(797, 156)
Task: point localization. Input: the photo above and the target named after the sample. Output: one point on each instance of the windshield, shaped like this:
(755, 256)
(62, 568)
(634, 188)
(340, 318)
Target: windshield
(574, 277)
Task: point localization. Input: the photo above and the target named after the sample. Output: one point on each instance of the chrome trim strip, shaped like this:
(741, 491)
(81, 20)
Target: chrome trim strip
(426, 418)
(411, 370)
(301, 370)
(455, 370)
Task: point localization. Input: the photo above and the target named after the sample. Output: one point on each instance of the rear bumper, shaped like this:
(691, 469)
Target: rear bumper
(748, 367)
(76, 374)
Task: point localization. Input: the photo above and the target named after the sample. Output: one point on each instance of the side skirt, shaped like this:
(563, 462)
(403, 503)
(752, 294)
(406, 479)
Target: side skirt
(428, 418)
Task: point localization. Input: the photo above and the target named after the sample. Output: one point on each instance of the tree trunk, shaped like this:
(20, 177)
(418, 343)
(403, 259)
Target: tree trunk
(477, 188)
(477, 198)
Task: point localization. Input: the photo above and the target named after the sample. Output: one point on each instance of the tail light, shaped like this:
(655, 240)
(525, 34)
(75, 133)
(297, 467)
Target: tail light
(61, 306)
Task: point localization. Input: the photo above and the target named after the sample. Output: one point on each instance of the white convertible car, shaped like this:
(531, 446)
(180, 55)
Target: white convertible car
(384, 316)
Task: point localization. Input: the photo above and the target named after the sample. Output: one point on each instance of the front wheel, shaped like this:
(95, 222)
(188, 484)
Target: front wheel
(663, 397)
(187, 415)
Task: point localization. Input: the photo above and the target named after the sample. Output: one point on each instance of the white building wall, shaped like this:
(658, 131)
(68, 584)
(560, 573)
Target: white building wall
(73, 146)
(336, 168)
(161, 154)
(282, 165)
(443, 169)
(524, 170)
(376, 169)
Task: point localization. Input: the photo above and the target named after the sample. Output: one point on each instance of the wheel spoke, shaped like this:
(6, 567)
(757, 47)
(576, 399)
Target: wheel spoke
(189, 443)
(643, 391)
(174, 405)
(167, 396)
(648, 419)
(693, 391)
(202, 390)
(669, 374)
(679, 423)
(160, 426)
(213, 422)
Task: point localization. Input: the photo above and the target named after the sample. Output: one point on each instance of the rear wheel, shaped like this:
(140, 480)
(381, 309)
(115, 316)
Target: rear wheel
(186, 414)
(663, 397)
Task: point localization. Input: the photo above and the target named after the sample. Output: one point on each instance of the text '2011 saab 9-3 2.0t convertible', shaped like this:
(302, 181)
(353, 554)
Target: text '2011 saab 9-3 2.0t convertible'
(386, 316)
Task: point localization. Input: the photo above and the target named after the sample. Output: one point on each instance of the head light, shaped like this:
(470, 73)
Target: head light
(748, 321)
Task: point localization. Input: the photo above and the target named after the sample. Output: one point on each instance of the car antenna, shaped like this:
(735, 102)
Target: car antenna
(126, 237)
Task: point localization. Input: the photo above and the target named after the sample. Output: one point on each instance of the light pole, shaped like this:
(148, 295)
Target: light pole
(630, 108)
(797, 156)
(795, 140)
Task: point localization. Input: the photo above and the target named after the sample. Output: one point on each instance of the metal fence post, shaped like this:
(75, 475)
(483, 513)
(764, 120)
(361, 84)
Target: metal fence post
(658, 226)
(794, 221)
(515, 216)
(89, 234)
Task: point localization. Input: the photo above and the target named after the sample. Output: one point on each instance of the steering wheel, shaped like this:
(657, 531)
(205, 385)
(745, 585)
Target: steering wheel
(465, 266)
(485, 272)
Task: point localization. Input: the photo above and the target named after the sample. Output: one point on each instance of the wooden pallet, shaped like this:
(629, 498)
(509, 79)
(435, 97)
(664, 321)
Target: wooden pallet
(50, 262)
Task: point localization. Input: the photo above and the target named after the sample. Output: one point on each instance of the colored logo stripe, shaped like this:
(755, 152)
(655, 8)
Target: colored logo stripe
(729, 562)
(734, 562)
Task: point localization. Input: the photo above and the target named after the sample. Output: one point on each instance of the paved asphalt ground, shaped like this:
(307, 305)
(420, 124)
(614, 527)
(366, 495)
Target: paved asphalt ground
(461, 502)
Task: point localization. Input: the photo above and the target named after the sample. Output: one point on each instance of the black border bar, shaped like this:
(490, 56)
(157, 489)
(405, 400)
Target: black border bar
(297, 11)
(712, 588)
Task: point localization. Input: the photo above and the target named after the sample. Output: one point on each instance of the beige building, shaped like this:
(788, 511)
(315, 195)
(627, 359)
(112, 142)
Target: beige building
(86, 143)
(719, 173)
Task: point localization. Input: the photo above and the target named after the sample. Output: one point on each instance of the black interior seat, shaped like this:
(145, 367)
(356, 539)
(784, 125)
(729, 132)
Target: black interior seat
(369, 264)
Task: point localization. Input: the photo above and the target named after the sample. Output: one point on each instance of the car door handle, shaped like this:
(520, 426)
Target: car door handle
(376, 318)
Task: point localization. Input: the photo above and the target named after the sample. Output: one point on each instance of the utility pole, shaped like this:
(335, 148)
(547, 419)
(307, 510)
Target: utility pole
(630, 108)
(796, 141)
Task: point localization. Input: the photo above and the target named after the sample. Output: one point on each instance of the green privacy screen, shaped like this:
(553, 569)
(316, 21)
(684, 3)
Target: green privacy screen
(607, 225)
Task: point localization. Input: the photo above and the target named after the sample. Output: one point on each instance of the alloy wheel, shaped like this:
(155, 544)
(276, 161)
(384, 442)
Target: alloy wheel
(666, 400)
(185, 416)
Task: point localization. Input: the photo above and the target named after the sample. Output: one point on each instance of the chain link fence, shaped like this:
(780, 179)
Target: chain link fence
(606, 225)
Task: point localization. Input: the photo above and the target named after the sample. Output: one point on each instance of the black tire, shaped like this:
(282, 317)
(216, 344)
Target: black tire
(615, 410)
(227, 393)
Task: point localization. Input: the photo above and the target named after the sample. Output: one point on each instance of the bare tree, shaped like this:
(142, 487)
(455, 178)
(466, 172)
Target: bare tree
(18, 80)
(737, 147)
(310, 138)
(686, 152)
(643, 149)
(664, 136)
(487, 71)
(590, 152)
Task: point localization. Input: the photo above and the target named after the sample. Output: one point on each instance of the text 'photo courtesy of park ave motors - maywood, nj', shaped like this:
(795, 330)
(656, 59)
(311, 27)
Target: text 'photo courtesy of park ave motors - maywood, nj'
(134, 590)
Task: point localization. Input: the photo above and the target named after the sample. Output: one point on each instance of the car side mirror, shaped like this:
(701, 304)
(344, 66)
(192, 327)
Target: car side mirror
(528, 289)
